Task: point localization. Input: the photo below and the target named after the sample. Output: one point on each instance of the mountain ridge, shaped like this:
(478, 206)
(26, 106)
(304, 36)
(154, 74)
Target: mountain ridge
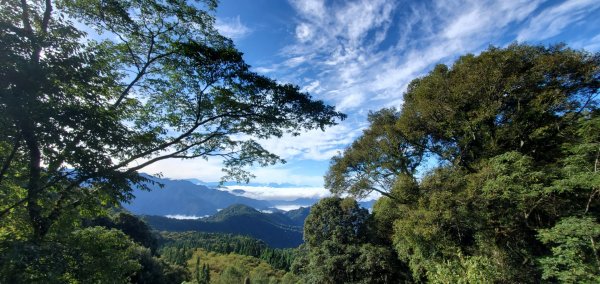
(276, 229)
(180, 197)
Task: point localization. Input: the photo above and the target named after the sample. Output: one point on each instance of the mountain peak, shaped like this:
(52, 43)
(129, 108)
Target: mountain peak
(233, 210)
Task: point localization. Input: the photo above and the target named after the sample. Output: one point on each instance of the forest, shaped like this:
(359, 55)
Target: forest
(488, 173)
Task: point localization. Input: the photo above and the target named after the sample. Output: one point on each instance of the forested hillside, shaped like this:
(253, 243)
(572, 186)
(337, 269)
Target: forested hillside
(177, 248)
(275, 229)
(210, 267)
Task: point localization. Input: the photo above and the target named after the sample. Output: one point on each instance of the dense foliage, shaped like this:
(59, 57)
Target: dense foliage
(82, 113)
(116, 248)
(340, 247)
(490, 171)
(178, 248)
(234, 268)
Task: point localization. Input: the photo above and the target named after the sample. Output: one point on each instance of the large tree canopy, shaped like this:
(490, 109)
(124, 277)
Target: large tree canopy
(150, 80)
(512, 195)
(338, 247)
(375, 159)
(521, 98)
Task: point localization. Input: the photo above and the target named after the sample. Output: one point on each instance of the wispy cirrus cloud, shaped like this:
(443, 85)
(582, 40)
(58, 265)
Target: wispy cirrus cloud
(593, 44)
(553, 20)
(232, 28)
(366, 52)
(315, 144)
(360, 55)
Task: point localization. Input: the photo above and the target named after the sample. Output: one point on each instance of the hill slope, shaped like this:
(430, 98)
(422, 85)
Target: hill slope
(277, 229)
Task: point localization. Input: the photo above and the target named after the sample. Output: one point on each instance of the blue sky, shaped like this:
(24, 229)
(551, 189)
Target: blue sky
(360, 55)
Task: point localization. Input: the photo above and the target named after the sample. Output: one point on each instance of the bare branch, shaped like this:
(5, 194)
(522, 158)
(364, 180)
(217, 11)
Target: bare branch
(139, 76)
(172, 142)
(133, 57)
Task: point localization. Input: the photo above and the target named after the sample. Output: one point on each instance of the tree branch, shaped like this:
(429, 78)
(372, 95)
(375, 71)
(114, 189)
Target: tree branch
(384, 193)
(172, 142)
(139, 76)
(176, 153)
(7, 210)
(25, 18)
(46, 19)
(11, 156)
(159, 158)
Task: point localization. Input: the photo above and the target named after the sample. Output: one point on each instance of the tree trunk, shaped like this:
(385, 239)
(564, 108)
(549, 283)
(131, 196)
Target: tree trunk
(34, 210)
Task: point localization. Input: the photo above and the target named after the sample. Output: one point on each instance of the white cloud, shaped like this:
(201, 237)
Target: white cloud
(311, 8)
(186, 217)
(303, 32)
(288, 207)
(295, 61)
(315, 144)
(210, 170)
(264, 70)
(282, 174)
(552, 21)
(286, 193)
(593, 44)
(367, 51)
(232, 28)
(184, 169)
(312, 87)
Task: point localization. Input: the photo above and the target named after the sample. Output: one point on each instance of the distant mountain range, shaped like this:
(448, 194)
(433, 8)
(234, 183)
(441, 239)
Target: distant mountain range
(279, 229)
(224, 212)
(180, 197)
(216, 183)
(184, 197)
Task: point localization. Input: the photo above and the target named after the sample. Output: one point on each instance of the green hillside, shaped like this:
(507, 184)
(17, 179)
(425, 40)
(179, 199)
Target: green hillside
(177, 247)
(234, 268)
(277, 230)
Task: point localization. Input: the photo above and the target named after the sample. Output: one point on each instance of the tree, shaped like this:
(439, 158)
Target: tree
(511, 141)
(202, 274)
(89, 255)
(575, 258)
(205, 274)
(338, 249)
(335, 219)
(375, 159)
(83, 113)
(519, 98)
(82, 116)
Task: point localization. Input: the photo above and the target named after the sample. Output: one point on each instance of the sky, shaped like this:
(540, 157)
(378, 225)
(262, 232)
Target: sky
(360, 55)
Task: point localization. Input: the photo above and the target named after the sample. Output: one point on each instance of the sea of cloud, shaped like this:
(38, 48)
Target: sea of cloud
(278, 193)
